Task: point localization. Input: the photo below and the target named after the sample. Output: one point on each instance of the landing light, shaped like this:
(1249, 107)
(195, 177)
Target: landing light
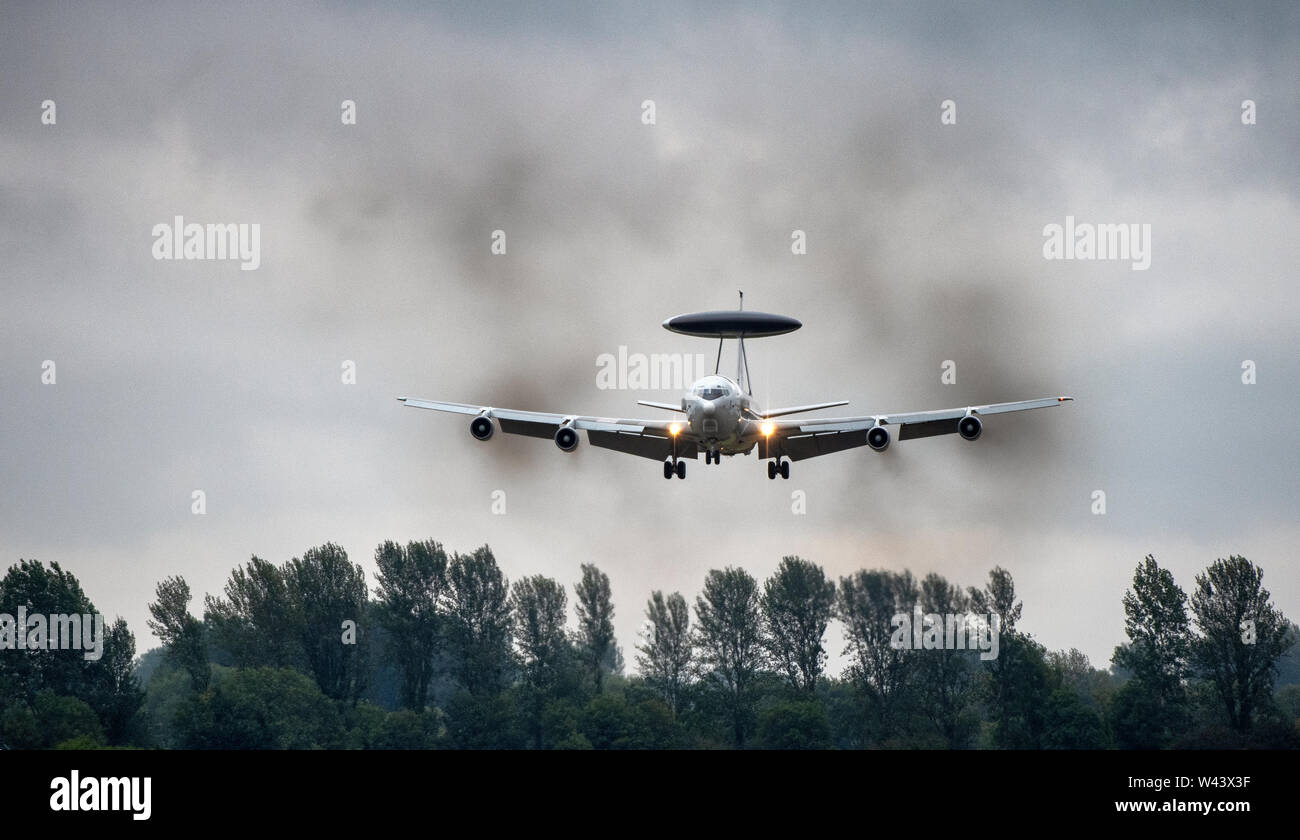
(768, 428)
(674, 429)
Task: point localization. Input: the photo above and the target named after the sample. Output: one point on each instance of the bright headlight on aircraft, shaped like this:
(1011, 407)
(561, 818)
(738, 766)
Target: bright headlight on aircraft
(767, 429)
(674, 429)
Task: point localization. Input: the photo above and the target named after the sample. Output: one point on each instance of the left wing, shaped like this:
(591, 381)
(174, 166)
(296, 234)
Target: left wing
(798, 439)
(647, 438)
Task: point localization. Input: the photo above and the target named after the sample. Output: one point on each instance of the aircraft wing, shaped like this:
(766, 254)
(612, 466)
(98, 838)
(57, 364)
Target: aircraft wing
(647, 438)
(798, 439)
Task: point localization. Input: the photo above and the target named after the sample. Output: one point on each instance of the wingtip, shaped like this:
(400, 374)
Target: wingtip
(1065, 399)
(401, 399)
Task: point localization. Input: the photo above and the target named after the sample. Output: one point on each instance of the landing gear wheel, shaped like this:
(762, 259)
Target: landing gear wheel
(771, 469)
(785, 469)
(668, 469)
(681, 469)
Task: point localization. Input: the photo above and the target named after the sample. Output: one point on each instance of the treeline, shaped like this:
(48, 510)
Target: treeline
(448, 653)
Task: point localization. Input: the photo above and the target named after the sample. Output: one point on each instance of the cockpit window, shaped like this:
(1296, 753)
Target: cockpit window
(711, 392)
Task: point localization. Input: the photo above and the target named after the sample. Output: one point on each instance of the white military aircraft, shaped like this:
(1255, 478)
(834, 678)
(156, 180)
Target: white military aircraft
(720, 418)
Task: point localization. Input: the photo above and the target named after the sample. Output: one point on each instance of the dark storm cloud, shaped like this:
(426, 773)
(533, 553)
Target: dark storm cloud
(924, 246)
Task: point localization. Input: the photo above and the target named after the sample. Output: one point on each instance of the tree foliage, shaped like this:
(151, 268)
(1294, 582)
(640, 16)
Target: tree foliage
(729, 638)
(1242, 636)
(327, 598)
(797, 604)
(183, 635)
(595, 607)
(1155, 619)
(479, 621)
(412, 593)
(449, 654)
(254, 622)
(664, 657)
(51, 688)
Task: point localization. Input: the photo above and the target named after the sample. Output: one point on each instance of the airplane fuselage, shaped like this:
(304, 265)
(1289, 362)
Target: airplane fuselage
(719, 416)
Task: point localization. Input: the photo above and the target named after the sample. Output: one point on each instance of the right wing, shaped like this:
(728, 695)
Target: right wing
(646, 438)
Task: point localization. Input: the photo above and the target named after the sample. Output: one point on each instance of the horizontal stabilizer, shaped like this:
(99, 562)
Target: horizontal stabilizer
(665, 406)
(797, 409)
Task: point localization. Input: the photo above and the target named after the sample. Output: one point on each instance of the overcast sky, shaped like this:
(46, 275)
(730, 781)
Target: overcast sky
(925, 244)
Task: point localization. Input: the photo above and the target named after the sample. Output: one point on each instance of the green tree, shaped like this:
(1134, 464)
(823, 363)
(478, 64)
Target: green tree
(665, 655)
(867, 603)
(1021, 691)
(260, 709)
(1014, 723)
(325, 592)
(794, 724)
(107, 684)
(484, 721)
(846, 713)
(64, 718)
(614, 721)
(49, 720)
(539, 606)
(595, 608)
(1069, 724)
(254, 622)
(1094, 686)
(412, 591)
(797, 604)
(608, 724)
(998, 597)
(19, 729)
(43, 591)
(1288, 666)
(1288, 703)
(183, 635)
(371, 727)
(1096, 689)
(1155, 619)
(1242, 636)
(169, 688)
(1132, 712)
(729, 637)
(115, 692)
(946, 677)
(479, 622)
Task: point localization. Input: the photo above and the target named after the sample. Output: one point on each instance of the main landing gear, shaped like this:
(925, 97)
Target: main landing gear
(677, 466)
(712, 457)
(779, 465)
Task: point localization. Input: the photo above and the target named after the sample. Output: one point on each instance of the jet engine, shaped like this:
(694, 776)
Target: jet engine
(481, 428)
(970, 427)
(878, 438)
(566, 437)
